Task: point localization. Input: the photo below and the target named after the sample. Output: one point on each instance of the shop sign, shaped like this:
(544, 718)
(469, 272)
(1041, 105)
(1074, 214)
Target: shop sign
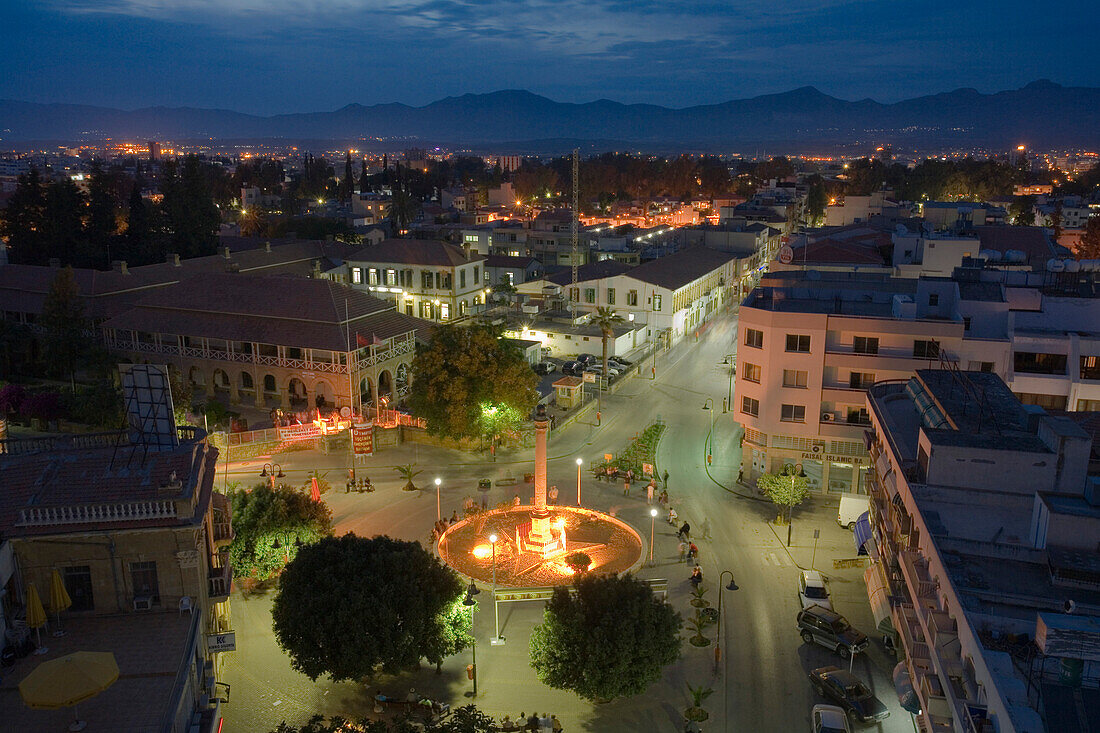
(362, 439)
(857, 460)
(224, 642)
(304, 431)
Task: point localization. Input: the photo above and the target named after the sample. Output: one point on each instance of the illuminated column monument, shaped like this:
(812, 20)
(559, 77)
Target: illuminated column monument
(540, 539)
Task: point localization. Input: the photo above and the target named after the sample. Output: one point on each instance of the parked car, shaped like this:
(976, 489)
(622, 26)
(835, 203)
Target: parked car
(546, 351)
(829, 719)
(828, 628)
(812, 590)
(598, 369)
(545, 367)
(847, 690)
(573, 368)
(587, 359)
(621, 360)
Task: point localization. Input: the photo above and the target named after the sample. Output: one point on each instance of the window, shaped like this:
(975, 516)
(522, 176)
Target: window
(1090, 367)
(749, 406)
(858, 416)
(1088, 405)
(656, 302)
(1045, 401)
(426, 309)
(372, 276)
(793, 413)
(980, 366)
(611, 296)
(1029, 362)
(574, 295)
(590, 295)
(475, 273)
(425, 280)
(933, 299)
(462, 279)
(445, 311)
(794, 378)
(754, 338)
(750, 372)
(511, 277)
(143, 576)
(865, 344)
(357, 275)
(632, 297)
(797, 343)
(966, 323)
(926, 349)
(861, 380)
(78, 584)
(391, 277)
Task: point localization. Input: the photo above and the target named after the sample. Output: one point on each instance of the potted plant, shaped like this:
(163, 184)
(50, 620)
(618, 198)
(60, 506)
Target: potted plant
(698, 623)
(579, 562)
(695, 711)
(698, 596)
(408, 474)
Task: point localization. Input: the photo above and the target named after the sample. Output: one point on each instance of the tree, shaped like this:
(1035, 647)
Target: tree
(189, 208)
(139, 235)
(271, 525)
(816, 200)
(463, 375)
(1089, 248)
(1022, 211)
(606, 319)
(23, 222)
(466, 719)
(350, 606)
(67, 335)
(453, 634)
(611, 639)
(182, 394)
(786, 488)
(102, 224)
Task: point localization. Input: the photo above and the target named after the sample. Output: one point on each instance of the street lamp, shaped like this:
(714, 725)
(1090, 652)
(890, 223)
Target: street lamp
(579, 462)
(731, 359)
(718, 644)
(279, 545)
(652, 531)
(470, 603)
(272, 471)
(497, 639)
(709, 406)
(438, 510)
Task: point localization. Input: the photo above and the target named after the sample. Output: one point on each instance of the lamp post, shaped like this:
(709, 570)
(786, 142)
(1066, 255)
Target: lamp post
(278, 545)
(718, 644)
(497, 639)
(579, 462)
(709, 406)
(272, 471)
(652, 531)
(438, 510)
(731, 359)
(470, 603)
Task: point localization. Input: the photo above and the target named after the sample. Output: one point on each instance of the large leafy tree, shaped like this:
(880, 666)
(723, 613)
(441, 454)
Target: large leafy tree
(786, 489)
(1089, 249)
(68, 337)
(23, 222)
(350, 606)
(271, 525)
(613, 638)
(467, 719)
(192, 217)
(464, 376)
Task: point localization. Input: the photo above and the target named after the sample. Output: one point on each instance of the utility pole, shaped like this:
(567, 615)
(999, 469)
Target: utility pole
(576, 223)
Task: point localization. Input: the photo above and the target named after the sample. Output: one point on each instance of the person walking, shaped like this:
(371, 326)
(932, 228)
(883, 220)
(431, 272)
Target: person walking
(663, 498)
(666, 479)
(685, 531)
(705, 535)
(626, 486)
(649, 493)
(741, 474)
(683, 549)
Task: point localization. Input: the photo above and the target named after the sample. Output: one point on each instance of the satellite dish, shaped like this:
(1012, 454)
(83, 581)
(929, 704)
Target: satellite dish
(1069, 606)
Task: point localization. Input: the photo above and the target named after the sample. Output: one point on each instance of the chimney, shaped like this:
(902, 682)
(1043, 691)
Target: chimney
(55, 263)
(267, 246)
(225, 253)
(172, 259)
(120, 266)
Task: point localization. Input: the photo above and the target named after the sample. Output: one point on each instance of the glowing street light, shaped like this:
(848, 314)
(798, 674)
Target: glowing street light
(579, 462)
(709, 406)
(497, 639)
(438, 508)
(652, 531)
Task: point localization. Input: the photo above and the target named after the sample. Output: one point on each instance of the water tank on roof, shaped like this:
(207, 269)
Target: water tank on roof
(1054, 265)
(1072, 265)
(990, 255)
(1015, 256)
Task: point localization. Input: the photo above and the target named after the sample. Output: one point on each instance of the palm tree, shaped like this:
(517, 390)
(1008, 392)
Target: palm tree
(606, 319)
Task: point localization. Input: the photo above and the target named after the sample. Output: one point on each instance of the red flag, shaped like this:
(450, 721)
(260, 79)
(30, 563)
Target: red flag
(360, 341)
(315, 492)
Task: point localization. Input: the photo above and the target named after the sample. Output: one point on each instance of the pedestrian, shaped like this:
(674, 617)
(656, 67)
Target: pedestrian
(533, 722)
(663, 498)
(685, 531)
(555, 724)
(741, 474)
(515, 500)
(706, 528)
(666, 479)
(454, 517)
(672, 516)
(683, 549)
(693, 552)
(552, 495)
(626, 486)
(696, 576)
(544, 721)
(649, 493)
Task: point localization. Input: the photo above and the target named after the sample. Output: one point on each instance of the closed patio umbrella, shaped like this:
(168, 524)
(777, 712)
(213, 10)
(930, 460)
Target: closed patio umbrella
(36, 616)
(315, 490)
(59, 600)
(67, 681)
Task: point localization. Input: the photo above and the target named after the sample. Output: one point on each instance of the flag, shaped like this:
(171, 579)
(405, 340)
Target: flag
(375, 341)
(360, 341)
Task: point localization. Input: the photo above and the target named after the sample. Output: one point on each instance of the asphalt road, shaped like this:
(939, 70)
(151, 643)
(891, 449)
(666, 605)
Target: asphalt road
(761, 683)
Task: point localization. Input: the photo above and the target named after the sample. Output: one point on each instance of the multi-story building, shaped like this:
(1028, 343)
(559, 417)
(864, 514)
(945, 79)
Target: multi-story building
(433, 280)
(810, 343)
(140, 539)
(985, 523)
(289, 342)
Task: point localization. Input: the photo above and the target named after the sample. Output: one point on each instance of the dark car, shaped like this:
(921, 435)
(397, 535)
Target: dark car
(848, 691)
(587, 359)
(572, 368)
(620, 360)
(819, 625)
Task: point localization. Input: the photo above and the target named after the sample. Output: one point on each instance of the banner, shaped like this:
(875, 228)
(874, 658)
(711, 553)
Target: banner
(304, 431)
(362, 439)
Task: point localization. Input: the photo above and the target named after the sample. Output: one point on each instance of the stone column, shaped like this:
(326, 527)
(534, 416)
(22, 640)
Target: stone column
(540, 539)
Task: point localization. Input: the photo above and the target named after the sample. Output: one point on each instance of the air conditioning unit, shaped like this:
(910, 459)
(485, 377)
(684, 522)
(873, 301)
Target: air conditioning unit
(143, 603)
(826, 417)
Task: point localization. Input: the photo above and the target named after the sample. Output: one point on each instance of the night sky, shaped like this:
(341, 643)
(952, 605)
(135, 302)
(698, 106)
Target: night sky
(271, 56)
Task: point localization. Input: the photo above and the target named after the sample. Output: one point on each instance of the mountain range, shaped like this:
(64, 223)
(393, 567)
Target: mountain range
(1043, 115)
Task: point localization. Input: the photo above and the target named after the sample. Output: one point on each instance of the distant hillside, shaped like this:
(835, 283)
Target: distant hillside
(1042, 115)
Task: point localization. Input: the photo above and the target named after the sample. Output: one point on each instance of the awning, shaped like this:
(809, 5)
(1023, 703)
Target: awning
(863, 532)
(879, 598)
(903, 685)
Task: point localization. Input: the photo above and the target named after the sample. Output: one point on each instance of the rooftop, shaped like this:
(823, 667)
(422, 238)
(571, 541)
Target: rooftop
(591, 271)
(414, 252)
(674, 271)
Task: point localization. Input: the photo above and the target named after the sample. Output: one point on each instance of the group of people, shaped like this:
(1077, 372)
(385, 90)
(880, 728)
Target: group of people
(532, 722)
(441, 526)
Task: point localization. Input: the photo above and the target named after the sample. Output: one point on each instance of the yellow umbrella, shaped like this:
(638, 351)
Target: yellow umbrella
(66, 681)
(59, 599)
(36, 615)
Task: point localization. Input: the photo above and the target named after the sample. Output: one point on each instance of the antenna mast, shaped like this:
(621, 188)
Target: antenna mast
(576, 210)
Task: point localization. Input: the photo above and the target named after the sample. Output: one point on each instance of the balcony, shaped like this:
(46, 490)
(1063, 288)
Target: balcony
(221, 524)
(221, 581)
(127, 511)
(915, 569)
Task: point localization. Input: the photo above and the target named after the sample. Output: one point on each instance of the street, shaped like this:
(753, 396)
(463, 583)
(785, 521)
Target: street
(761, 683)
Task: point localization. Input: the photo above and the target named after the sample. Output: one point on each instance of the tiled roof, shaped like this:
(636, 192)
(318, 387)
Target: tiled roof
(414, 252)
(680, 268)
(591, 271)
(290, 311)
(509, 261)
(1032, 241)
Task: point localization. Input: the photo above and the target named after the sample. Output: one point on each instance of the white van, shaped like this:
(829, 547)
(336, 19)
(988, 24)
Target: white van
(851, 506)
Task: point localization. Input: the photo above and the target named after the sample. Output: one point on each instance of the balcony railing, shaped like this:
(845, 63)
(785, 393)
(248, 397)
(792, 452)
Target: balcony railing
(221, 581)
(130, 511)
